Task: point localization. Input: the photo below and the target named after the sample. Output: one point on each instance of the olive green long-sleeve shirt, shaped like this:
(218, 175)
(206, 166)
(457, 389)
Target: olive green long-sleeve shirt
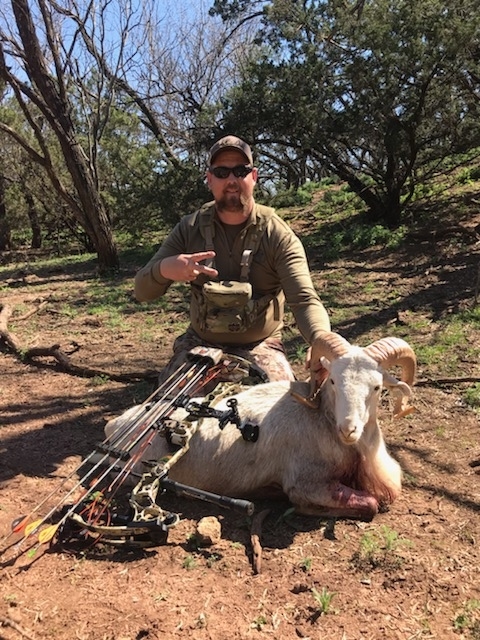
(279, 268)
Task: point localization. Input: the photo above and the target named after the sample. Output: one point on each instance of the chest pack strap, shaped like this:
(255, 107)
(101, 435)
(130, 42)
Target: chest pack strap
(245, 264)
(252, 240)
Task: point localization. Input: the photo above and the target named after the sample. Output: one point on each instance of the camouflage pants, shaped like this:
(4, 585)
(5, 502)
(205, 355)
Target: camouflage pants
(268, 356)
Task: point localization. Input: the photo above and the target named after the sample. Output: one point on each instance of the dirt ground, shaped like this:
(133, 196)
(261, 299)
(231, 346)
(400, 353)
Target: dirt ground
(414, 572)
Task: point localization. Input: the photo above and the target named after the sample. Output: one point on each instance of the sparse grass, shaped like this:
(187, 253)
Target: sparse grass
(471, 396)
(468, 618)
(344, 226)
(299, 354)
(305, 564)
(293, 197)
(259, 622)
(409, 479)
(212, 559)
(445, 342)
(11, 598)
(449, 343)
(378, 548)
(189, 563)
(468, 175)
(99, 381)
(323, 600)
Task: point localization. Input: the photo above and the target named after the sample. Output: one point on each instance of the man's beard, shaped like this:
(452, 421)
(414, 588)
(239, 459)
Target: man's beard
(233, 202)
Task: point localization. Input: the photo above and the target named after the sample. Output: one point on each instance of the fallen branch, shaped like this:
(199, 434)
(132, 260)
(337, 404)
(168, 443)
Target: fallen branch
(64, 364)
(29, 314)
(8, 622)
(431, 382)
(61, 358)
(5, 335)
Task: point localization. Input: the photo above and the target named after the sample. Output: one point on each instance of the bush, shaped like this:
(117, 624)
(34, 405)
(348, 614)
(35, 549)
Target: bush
(291, 198)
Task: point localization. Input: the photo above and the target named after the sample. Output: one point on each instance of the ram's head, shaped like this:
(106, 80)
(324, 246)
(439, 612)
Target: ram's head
(356, 377)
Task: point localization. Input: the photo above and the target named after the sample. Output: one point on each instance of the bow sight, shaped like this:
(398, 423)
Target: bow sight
(249, 431)
(96, 514)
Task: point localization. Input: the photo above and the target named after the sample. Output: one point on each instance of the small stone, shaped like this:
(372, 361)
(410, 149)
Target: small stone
(208, 531)
(300, 587)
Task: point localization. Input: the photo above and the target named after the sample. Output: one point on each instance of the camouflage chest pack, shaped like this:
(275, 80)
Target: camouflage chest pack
(228, 306)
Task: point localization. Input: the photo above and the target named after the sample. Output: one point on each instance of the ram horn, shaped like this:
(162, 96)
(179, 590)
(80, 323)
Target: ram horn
(331, 346)
(388, 352)
(394, 351)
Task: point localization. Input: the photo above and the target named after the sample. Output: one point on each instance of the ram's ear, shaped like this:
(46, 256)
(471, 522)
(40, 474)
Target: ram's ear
(401, 392)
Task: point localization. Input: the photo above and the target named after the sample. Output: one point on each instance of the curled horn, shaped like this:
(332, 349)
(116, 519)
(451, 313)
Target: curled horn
(331, 346)
(388, 352)
(394, 351)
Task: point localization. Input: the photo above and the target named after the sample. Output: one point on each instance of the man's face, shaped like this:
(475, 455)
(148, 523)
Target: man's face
(232, 194)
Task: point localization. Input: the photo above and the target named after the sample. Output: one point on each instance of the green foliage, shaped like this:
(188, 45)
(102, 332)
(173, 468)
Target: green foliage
(259, 622)
(305, 564)
(143, 192)
(468, 618)
(378, 548)
(98, 381)
(343, 89)
(450, 343)
(291, 198)
(189, 563)
(323, 600)
(346, 227)
(212, 559)
(471, 396)
(469, 175)
(299, 354)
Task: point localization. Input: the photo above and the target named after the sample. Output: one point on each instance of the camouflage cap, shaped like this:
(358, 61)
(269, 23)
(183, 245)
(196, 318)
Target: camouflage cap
(230, 142)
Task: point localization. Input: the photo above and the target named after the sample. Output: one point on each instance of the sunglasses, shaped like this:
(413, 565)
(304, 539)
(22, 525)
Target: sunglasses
(240, 171)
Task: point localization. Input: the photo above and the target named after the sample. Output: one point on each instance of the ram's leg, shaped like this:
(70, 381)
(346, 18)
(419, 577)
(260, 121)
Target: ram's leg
(336, 501)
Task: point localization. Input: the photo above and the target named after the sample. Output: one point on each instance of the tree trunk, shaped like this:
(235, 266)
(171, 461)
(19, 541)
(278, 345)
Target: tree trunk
(34, 221)
(90, 210)
(386, 208)
(5, 237)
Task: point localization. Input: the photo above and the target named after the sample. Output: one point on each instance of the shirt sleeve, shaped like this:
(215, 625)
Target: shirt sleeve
(291, 264)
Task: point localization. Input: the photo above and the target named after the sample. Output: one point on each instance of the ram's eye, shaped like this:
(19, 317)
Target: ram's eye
(331, 381)
(377, 388)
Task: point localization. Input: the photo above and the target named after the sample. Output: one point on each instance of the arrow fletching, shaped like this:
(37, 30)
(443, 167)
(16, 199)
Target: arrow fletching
(47, 534)
(19, 523)
(30, 528)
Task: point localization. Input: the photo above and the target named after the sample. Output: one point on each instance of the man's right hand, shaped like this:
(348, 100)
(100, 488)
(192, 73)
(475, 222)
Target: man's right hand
(185, 267)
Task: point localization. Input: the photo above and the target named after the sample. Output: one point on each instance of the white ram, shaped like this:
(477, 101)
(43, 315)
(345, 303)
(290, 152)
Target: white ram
(322, 448)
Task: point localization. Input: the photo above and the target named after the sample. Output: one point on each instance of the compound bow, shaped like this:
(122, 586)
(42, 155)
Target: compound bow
(95, 515)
